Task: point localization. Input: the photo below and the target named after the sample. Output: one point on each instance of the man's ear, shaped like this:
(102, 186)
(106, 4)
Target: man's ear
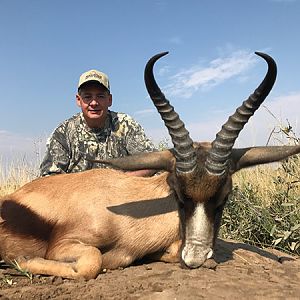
(110, 100)
(78, 102)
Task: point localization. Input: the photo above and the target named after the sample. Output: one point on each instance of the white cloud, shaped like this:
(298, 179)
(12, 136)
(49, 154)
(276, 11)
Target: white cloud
(145, 112)
(16, 146)
(187, 82)
(10, 141)
(260, 126)
(163, 71)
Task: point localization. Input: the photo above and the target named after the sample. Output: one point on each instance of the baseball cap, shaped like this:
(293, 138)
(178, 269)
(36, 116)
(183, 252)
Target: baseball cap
(94, 75)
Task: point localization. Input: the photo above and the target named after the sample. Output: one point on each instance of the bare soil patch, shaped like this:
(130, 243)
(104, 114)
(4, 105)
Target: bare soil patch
(243, 271)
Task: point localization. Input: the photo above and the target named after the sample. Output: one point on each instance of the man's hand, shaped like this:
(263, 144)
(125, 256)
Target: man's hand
(142, 173)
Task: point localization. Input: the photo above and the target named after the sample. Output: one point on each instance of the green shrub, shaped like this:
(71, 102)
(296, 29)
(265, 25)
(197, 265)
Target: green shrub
(269, 219)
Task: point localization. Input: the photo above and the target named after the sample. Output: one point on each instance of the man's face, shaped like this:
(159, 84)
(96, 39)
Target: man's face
(94, 100)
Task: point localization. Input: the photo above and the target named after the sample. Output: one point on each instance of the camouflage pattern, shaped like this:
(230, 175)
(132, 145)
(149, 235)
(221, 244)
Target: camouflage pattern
(73, 140)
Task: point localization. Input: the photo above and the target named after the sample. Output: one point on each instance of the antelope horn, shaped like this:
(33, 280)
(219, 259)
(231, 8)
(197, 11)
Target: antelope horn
(160, 160)
(216, 162)
(248, 157)
(183, 145)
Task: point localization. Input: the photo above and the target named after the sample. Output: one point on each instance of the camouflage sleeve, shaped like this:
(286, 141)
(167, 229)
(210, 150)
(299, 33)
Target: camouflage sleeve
(136, 139)
(57, 156)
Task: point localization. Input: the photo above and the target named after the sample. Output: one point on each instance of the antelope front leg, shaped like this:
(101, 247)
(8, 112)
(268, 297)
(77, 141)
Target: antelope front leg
(71, 261)
(170, 255)
(116, 258)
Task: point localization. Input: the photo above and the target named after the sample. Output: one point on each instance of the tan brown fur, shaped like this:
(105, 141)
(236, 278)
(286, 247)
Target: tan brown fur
(74, 215)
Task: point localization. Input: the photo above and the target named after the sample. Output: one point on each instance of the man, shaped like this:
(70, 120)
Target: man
(95, 132)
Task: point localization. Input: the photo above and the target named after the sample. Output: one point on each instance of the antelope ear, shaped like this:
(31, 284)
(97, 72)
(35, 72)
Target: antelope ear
(160, 160)
(248, 157)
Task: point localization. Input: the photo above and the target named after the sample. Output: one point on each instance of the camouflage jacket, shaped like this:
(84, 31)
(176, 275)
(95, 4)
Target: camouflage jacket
(73, 139)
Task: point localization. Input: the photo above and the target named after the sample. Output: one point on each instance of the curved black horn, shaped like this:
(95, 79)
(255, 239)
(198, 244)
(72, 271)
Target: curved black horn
(216, 162)
(183, 145)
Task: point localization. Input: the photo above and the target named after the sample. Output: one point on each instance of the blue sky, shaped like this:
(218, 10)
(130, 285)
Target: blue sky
(210, 70)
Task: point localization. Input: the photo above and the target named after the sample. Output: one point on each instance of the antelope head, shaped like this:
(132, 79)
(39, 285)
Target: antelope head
(202, 172)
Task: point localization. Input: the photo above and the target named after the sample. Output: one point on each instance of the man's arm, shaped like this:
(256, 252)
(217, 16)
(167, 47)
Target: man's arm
(138, 142)
(57, 156)
(136, 139)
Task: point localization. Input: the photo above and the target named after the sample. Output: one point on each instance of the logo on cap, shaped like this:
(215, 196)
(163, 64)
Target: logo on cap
(94, 75)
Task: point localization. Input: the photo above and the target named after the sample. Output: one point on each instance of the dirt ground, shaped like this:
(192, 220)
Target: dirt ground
(243, 271)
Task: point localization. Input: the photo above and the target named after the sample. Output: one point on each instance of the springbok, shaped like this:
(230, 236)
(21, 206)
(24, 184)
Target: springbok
(75, 225)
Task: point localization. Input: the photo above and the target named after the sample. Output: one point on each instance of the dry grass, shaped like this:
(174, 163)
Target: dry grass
(268, 179)
(16, 174)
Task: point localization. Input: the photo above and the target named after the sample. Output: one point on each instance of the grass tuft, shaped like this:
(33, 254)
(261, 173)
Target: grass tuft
(15, 175)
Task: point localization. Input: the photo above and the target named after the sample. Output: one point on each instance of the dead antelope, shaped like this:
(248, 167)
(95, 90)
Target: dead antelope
(74, 225)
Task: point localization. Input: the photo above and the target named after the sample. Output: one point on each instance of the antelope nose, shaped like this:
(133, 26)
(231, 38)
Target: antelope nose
(194, 258)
